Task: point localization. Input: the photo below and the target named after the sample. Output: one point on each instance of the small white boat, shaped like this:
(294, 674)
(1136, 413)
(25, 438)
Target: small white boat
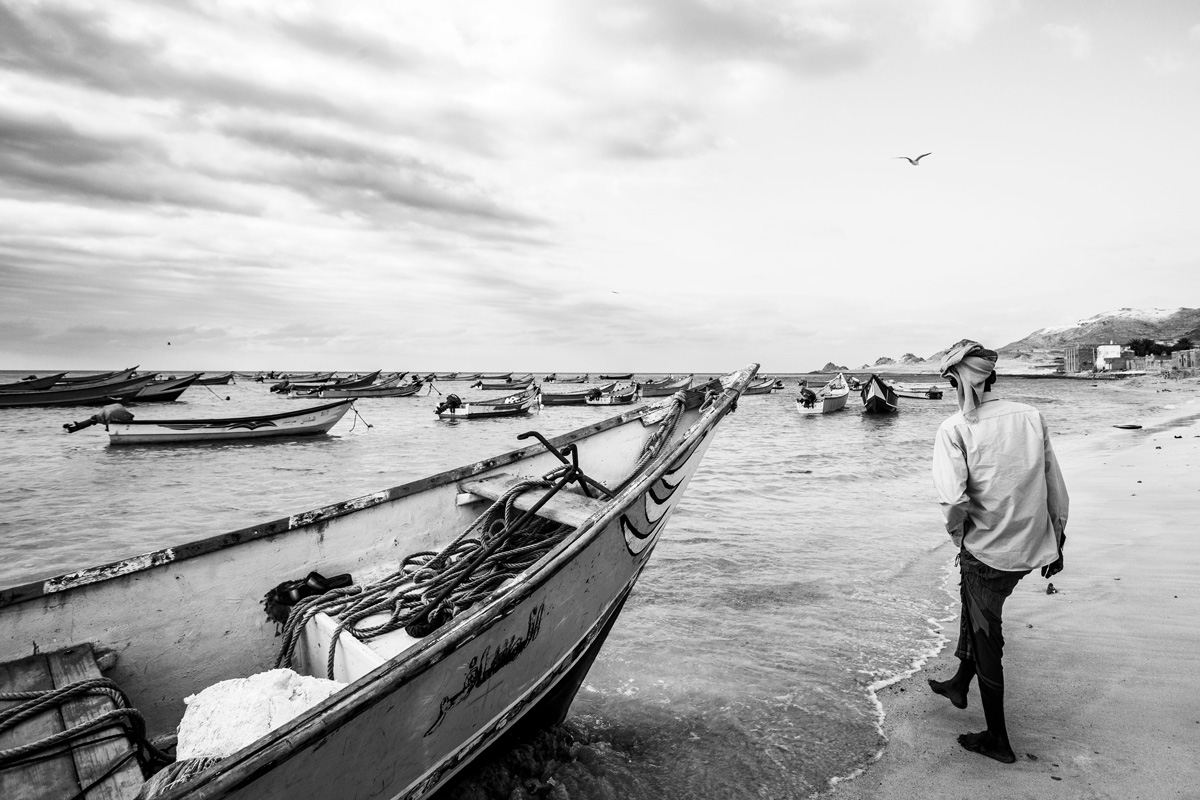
(918, 391)
(829, 398)
(454, 407)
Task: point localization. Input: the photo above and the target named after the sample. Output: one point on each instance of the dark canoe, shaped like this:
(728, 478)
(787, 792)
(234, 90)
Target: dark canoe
(878, 397)
(88, 394)
(624, 376)
(165, 391)
(99, 377)
(31, 384)
(341, 383)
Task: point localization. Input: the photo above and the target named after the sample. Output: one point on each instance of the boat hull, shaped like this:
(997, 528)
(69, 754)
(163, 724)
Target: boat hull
(303, 422)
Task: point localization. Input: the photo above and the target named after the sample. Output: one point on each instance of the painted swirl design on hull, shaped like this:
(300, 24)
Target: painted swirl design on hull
(642, 521)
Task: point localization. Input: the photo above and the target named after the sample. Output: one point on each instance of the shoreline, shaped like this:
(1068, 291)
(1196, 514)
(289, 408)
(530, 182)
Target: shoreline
(1103, 694)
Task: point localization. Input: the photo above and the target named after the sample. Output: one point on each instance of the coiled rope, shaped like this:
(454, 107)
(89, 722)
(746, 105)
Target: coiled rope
(464, 572)
(30, 704)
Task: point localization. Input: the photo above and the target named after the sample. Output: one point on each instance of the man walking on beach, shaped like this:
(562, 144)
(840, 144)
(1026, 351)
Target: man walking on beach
(1005, 503)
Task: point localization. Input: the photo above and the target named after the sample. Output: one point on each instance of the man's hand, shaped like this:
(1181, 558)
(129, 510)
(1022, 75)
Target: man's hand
(1050, 570)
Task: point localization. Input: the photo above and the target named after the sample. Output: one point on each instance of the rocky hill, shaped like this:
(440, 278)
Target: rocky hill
(1043, 349)
(1166, 324)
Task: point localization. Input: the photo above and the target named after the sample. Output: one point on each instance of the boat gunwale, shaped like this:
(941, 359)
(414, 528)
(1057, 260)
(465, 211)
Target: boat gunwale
(268, 752)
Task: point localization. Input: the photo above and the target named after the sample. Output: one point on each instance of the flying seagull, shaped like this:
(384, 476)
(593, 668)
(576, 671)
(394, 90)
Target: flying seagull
(914, 161)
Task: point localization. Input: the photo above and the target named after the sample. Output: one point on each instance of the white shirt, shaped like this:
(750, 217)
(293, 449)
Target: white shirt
(999, 485)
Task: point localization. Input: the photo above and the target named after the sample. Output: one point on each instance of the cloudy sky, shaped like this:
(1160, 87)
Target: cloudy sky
(648, 185)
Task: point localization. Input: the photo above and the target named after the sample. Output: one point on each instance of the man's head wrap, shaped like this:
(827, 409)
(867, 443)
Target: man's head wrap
(969, 364)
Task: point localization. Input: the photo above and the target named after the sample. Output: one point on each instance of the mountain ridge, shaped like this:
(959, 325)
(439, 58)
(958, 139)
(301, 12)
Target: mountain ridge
(1044, 345)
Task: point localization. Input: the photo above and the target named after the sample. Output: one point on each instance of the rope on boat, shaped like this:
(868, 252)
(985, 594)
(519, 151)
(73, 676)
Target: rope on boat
(30, 704)
(430, 588)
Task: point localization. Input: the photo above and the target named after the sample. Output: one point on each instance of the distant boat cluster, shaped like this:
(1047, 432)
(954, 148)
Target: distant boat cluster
(523, 392)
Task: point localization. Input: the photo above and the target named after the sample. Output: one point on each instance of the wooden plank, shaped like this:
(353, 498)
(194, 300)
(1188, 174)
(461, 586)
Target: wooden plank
(53, 778)
(93, 760)
(565, 507)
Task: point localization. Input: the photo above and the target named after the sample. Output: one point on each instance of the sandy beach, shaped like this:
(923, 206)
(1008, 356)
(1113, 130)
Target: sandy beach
(1102, 677)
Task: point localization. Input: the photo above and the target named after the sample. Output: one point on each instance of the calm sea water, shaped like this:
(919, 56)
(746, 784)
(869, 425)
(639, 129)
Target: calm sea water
(806, 565)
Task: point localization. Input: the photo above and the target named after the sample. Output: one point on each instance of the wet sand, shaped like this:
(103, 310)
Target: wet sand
(1103, 677)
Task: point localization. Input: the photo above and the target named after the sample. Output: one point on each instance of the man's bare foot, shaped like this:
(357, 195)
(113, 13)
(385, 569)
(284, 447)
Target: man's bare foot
(948, 689)
(984, 744)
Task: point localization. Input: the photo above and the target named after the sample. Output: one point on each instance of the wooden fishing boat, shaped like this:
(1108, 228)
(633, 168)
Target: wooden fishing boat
(492, 645)
(829, 398)
(454, 407)
(665, 386)
(391, 388)
(584, 378)
(165, 391)
(624, 376)
(878, 397)
(620, 395)
(505, 384)
(329, 390)
(576, 397)
(300, 422)
(79, 394)
(97, 377)
(929, 391)
(215, 380)
(764, 386)
(31, 383)
(293, 387)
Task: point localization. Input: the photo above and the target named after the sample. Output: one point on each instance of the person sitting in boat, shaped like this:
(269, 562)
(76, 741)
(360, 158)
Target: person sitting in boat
(808, 398)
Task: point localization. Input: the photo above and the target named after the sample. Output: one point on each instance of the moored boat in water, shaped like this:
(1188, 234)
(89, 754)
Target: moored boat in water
(829, 398)
(454, 668)
(454, 407)
(389, 388)
(765, 386)
(165, 391)
(32, 383)
(918, 391)
(219, 379)
(574, 397)
(111, 390)
(123, 430)
(618, 395)
(878, 397)
(504, 384)
(665, 386)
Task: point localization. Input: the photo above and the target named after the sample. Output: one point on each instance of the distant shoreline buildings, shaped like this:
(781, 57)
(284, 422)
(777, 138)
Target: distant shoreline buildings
(1111, 357)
